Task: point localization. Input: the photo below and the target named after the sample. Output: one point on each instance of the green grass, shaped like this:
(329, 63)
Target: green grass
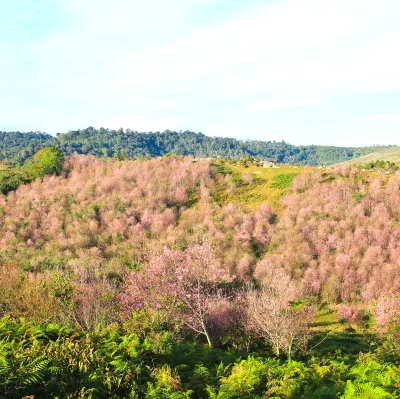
(267, 184)
(389, 154)
(327, 320)
(283, 180)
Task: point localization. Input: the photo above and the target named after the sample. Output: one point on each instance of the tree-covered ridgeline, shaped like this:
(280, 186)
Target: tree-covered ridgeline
(15, 147)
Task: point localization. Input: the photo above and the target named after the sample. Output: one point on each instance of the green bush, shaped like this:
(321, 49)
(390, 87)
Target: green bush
(47, 161)
(167, 385)
(247, 380)
(10, 179)
(371, 379)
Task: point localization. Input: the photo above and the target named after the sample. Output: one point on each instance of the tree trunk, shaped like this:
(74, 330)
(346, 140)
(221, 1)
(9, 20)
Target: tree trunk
(277, 349)
(206, 334)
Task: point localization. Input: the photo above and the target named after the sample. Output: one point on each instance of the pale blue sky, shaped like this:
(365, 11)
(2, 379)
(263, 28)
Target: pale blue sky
(310, 71)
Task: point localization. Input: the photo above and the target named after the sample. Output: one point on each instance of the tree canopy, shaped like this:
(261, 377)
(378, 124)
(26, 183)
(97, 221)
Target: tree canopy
(47, 161)
(16, 147)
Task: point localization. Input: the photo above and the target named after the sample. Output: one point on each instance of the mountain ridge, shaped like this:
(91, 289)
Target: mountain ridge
(16, 147)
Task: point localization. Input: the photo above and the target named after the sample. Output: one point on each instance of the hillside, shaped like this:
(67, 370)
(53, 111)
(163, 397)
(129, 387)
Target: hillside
(16, 147)
(184, 278)
(380, 154)
(107, 216)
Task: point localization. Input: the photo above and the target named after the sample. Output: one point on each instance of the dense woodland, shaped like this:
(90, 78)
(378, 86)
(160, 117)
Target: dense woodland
(16, 147)
(175, 277)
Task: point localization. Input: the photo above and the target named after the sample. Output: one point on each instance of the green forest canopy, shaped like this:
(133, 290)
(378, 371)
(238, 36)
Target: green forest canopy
(16, 147)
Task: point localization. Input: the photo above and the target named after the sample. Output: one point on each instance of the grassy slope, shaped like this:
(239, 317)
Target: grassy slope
(335, 340)
(333, 337)
(268, 184)
(388, 154)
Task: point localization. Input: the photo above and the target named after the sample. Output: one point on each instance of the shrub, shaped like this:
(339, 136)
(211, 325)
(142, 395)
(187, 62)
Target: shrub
(10, 179)
(167, 385)
(47, 161)
(247, 380)
(370, 379)
(350, 313)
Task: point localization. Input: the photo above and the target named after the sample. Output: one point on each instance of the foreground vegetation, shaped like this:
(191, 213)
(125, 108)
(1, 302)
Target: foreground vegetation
(48, 360)
(182, 278)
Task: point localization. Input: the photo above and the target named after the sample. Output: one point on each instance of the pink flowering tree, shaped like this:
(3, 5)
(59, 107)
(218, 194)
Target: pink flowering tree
(271, 315)
(387, 311)
(387, 321)
(226, 321)
(350, 313)
(184, 286)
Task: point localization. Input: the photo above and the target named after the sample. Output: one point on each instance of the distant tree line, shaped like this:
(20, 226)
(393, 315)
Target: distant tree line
(16, 147)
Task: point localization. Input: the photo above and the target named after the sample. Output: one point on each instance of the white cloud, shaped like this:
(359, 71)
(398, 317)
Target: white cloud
(132, 64)
(305, 47)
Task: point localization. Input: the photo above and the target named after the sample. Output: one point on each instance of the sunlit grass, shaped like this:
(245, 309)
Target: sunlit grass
(385, 154)
(265, 184)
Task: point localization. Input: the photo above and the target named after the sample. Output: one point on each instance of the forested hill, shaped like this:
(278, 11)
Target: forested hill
(15, 147)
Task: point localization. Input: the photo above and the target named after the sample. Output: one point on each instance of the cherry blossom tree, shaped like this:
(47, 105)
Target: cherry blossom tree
(187, 285)
(272, 317)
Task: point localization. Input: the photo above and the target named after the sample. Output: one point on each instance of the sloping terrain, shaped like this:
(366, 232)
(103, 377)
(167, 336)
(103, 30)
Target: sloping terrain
(391, 154)
(148, 279)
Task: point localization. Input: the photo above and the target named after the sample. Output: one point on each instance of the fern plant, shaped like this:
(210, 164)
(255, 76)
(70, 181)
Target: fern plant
(22, 376)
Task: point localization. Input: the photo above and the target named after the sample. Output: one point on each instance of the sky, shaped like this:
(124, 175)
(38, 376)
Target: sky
(307, 72)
